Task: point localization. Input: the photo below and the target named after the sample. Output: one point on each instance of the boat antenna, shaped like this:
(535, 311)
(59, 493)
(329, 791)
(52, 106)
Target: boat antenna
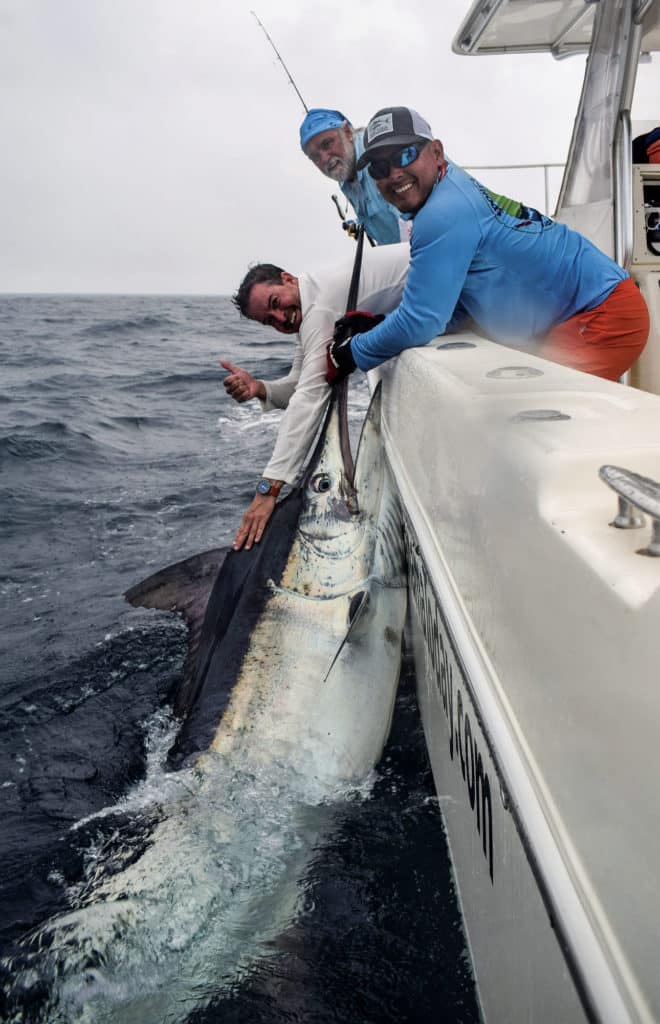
(286, 70)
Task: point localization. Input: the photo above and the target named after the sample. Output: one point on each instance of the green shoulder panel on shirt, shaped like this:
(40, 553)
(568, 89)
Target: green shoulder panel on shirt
(510, 206)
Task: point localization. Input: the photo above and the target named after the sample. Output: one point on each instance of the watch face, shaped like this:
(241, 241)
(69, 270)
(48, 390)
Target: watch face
(263, 487)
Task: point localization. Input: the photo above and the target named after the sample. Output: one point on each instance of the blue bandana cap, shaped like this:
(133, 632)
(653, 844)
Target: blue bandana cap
(320, 120)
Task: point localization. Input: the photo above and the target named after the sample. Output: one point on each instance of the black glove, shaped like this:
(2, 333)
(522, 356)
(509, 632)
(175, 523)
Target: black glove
(339, 357)
(339, 360)
(357, 322)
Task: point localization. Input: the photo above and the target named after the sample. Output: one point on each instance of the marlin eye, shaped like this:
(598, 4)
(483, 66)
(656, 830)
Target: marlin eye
(321, 483)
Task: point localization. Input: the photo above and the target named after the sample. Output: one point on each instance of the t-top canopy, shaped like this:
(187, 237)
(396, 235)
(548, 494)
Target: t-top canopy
(560, 27)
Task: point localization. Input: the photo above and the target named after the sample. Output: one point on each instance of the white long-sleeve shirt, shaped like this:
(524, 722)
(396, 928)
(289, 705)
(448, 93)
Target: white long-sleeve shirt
(304, 392)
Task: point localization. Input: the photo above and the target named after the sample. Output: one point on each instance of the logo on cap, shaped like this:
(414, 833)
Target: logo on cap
(379, 126)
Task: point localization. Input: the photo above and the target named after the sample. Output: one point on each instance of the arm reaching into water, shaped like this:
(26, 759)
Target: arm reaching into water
(297, 428)
(254, 521)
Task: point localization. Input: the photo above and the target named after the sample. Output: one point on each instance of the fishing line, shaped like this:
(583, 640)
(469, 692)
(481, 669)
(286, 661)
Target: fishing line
(345, 223)
(277, 54)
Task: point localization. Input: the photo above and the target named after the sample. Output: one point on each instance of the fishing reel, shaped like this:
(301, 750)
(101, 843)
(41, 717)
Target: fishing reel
(351, 227)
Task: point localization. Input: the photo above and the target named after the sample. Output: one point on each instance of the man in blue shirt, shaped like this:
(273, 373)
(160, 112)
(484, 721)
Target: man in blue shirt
(327, 137)
(530, 283)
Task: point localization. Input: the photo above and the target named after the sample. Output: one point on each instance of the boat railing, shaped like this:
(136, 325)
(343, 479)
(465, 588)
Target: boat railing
(545, 167)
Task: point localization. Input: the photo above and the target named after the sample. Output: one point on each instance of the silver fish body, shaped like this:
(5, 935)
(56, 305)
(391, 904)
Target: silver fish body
(286, 706)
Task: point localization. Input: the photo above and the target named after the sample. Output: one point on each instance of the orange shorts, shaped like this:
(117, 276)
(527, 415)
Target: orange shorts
(606, 340)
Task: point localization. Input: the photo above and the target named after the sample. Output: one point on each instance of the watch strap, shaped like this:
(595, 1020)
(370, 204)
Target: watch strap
(273, 488)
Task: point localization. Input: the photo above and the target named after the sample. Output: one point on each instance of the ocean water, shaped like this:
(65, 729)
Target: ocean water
(119, 454)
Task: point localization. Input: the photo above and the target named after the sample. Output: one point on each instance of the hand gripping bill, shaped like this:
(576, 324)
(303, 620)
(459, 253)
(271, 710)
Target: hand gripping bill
(340, 360)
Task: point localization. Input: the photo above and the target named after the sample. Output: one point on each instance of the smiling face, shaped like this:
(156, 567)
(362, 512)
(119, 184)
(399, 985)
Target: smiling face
(276, 304)
(408, 188)
(333, 153)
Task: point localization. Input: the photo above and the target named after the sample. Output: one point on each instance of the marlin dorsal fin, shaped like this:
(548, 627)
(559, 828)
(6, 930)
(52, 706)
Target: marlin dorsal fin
(182, 588)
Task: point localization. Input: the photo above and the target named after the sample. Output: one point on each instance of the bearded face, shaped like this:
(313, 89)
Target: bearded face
(333, 153)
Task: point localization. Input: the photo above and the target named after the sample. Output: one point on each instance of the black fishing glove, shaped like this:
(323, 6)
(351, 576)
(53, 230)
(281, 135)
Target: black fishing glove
(339, 358)
(356, 322)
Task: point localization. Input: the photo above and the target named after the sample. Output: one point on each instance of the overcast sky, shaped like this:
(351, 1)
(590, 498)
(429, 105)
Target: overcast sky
(152, 145)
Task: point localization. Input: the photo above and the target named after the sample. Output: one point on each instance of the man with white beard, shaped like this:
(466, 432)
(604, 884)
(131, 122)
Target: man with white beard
(329, 140)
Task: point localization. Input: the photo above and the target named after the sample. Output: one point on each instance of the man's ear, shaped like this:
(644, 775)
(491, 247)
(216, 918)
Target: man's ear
(288, 278)
(438, 150)
(439, 157)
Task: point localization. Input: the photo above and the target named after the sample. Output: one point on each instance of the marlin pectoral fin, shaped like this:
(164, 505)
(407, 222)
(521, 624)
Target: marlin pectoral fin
(358, 606)
(182, 588)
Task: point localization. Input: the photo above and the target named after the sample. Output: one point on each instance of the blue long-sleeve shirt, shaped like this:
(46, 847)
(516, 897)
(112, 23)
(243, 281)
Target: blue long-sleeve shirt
(516, 278)
(380, 219)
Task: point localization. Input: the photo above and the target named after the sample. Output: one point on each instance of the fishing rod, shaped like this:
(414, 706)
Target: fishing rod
(349, 226)
(277, 54)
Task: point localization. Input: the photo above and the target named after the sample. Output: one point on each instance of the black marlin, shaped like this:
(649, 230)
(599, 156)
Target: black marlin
(318, 600)
(287, 701)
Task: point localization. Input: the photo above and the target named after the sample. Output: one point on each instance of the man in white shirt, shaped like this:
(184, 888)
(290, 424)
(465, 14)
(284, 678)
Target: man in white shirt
(307, 305)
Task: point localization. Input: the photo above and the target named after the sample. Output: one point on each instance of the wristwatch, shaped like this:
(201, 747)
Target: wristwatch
(268, 489)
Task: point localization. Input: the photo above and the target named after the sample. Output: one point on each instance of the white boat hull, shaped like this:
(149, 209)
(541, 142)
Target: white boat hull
(536, 636)
(520, 971)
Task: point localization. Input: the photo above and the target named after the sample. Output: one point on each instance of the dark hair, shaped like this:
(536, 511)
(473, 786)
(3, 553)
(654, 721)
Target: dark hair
(260, 273)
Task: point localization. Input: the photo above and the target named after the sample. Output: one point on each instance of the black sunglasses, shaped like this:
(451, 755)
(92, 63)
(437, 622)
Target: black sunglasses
(379, 169)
